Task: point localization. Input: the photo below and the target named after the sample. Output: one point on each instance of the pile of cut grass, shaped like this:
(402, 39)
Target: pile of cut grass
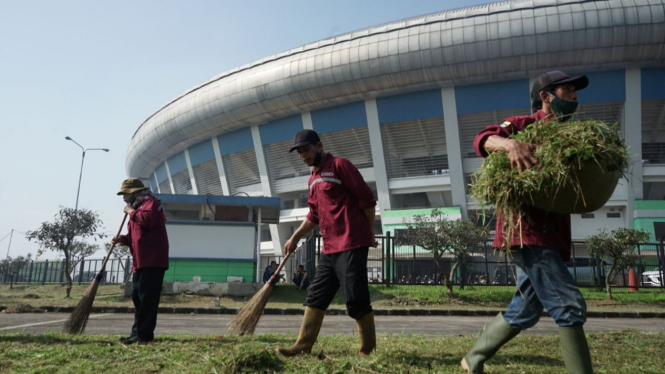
(561, 149)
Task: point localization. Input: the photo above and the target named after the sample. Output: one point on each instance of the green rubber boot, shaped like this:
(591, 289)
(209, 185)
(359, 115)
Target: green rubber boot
(575, 349)
(496, 333)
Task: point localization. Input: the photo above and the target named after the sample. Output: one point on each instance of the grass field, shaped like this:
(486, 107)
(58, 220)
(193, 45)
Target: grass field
(394, 297)
(616, 353)
(287, 296)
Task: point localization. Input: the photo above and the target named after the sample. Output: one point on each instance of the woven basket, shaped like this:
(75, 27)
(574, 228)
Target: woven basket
(596, 185)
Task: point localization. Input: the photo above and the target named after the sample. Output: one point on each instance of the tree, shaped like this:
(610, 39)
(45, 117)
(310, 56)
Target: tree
(120, 251)
(9, 267)
(59, 235)
(79, 250)
(439, 235)
(618, 248)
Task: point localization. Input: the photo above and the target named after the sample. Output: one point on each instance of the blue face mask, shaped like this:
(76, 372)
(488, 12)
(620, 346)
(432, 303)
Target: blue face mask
(563, 109)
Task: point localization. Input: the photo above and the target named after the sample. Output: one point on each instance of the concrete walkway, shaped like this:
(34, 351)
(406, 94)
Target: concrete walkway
(120, 324)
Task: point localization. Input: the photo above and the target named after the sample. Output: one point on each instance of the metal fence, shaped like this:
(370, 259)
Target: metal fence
(118, 270)
(393, 263)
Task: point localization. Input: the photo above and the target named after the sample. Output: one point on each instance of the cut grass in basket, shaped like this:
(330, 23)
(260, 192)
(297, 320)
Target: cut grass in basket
(572, 156)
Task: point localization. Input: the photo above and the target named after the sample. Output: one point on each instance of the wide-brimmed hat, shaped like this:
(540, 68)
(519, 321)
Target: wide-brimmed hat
(131, 185)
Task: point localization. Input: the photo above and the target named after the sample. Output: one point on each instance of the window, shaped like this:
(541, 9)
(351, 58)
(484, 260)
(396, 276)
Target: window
(588, 215)
(614, 215)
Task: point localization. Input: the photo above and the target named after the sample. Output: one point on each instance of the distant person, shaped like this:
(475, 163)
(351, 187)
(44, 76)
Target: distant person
(343, 206)
(149, 246)
(267, 273)
(300, 278)
(274, 265)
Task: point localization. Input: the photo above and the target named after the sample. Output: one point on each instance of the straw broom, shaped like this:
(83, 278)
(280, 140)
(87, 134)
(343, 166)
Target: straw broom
(249, 316)
(76, 322)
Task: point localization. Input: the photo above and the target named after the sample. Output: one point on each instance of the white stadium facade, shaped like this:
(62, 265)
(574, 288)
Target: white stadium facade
(404, 100)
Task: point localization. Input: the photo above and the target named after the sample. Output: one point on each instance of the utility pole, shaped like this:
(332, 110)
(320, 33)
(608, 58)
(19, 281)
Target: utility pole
(11, 235)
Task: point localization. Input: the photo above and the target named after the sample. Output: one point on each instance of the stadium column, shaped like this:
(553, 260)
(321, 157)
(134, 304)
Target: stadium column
(265, 184)
(226, 189)
(307, 121)
(376, 147)
(454, 146)
(190, 170)
(532, 80)
(154, 175)
(632, 122)
(168, 173)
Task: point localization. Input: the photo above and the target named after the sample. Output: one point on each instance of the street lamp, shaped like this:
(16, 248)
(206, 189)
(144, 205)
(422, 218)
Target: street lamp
(84, 150)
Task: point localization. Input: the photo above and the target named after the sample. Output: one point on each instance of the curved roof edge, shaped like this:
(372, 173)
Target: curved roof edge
(496, 41)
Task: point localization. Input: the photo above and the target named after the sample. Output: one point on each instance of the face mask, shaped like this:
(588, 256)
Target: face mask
(131, 200)
(317, 158)
(563, 109)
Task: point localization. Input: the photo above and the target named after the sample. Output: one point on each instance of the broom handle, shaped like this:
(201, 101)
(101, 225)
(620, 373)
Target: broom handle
(108, 255)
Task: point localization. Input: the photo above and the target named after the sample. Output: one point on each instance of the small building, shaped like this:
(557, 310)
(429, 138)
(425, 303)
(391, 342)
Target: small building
(216, 238)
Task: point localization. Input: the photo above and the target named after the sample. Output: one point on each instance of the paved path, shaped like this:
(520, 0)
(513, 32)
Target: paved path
(119, 324)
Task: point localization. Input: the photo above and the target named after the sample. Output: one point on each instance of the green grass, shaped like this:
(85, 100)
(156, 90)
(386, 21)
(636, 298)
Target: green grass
(396, 296)
(617, 352)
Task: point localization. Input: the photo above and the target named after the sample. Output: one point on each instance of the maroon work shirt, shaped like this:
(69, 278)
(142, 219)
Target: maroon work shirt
(146, 236)
(337, 198)
(539, 227)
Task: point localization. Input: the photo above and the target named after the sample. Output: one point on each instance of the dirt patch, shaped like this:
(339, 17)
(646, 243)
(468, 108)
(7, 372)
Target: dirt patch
(22, 308)
(31, 296)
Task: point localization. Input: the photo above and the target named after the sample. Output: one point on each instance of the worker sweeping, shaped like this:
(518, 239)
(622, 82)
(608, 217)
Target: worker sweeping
(343, 206)
(543, 244)
(149, 245)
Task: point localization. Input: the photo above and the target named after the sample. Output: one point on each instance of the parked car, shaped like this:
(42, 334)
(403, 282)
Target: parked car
(652, 278)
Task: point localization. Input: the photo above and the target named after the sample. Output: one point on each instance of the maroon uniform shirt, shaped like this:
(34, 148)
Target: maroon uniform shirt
(146, 236)
(337, 197)
(539, 227)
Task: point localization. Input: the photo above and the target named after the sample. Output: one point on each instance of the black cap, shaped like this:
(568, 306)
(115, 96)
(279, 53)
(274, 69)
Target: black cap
(555, 78)
(305, 137)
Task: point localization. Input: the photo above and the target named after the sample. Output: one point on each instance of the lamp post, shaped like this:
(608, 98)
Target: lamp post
(83, 150)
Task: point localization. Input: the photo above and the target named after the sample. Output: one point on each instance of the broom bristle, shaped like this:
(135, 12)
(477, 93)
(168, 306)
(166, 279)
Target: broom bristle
(76, 322)
(249, 316)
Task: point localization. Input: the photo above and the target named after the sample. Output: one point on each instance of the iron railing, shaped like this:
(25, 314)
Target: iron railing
(118, 270)
(394, 263)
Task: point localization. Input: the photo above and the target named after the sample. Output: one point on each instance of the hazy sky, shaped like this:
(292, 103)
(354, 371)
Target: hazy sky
(94, 70)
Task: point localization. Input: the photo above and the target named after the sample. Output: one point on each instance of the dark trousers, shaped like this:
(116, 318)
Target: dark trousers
(147, 284)
(347, 270)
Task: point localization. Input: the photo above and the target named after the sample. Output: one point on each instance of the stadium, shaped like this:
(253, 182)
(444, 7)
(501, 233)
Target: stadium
(403, 102)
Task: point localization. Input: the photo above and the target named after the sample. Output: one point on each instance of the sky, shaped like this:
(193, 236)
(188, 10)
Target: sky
(95, 70)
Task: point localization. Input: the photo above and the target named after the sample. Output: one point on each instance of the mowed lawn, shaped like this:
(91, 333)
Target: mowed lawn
(287, 296)
(617, 352)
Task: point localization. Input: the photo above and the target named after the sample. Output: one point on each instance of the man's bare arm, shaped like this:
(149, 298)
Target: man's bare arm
(520, 154)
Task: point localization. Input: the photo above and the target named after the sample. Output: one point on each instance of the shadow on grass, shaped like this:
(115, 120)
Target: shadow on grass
(220, 340)
(530, 359)
(53, 338)
(425, 362)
